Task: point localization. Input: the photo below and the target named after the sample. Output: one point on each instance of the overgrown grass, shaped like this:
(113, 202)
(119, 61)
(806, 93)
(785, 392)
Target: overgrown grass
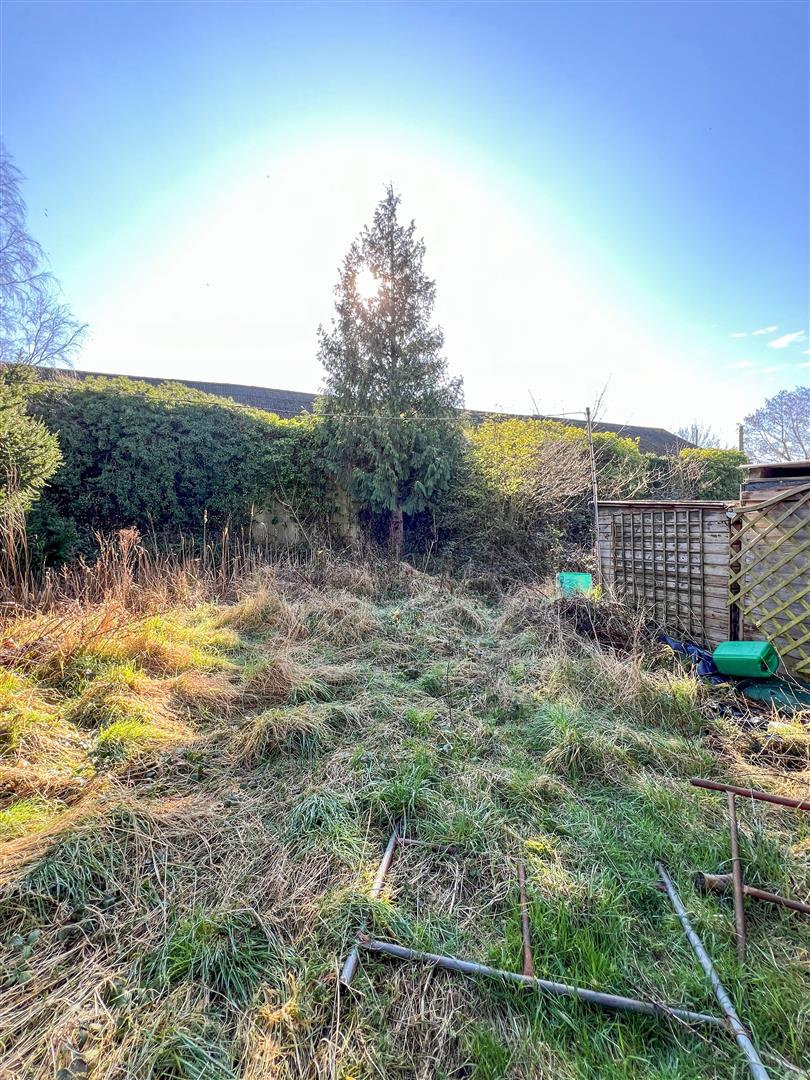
(302, 728)
(23, 816)
(194, 798)
(229, 953)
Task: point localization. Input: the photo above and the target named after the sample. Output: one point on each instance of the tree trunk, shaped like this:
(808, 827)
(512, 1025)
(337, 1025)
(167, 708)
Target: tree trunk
(395, 532)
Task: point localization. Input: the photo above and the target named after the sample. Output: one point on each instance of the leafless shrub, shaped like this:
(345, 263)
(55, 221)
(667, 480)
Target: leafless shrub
(35, 326)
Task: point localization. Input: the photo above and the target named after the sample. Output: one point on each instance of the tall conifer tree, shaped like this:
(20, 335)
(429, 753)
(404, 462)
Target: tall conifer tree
(390, 406)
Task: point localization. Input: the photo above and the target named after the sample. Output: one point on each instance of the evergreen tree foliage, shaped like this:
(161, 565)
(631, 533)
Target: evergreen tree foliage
(390, 408)
(29, 452)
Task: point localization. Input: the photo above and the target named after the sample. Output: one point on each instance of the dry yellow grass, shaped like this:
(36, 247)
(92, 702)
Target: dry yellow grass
(192, 896)
(275, 729)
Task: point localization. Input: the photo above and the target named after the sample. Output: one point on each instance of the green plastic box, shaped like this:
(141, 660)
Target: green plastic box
(746, 659)
(569, 583)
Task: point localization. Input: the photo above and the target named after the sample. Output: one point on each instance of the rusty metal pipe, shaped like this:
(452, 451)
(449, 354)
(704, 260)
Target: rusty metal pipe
(752, 793)
(744, 1042)
(528, 963)
(736, 875)
(720, 883)
(592, 997)
(350, 966)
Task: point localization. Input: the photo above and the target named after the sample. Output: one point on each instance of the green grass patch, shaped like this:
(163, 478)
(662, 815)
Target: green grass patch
(228, 952)
(27, 816)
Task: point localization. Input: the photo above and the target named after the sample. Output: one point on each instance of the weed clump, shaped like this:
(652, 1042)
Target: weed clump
(123, 739)
(582, 746)
(227, 952)
(323, 820)
(27, 815)
(780, 743)
(402, 790)
(191, 1050)
(279, 679)
(603, 622)
(299, 727)
(610, 685)
(85, 864)
(260, 611)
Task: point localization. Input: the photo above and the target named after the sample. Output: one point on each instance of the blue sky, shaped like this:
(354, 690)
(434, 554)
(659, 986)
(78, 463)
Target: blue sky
(610, 193)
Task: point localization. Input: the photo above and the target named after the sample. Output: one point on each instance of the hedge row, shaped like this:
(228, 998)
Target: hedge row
(168, 459)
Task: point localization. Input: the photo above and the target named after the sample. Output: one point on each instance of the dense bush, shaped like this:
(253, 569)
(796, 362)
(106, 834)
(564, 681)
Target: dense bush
(521, 500)
(711, 474)
(29, 452)
(522, 496)
(478, 526)
(167, 458)
(697, 473)
(546, 463)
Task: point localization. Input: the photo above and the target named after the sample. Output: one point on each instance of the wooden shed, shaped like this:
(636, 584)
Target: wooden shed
(714, 571)
(769, 572)
(672, 559)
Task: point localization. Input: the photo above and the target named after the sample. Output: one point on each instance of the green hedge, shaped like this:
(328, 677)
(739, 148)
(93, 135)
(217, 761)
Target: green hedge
(520, 501)
(167, 458)
(697, 473)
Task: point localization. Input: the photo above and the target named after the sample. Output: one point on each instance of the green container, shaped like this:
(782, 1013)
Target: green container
(746, 659)
(569, 584)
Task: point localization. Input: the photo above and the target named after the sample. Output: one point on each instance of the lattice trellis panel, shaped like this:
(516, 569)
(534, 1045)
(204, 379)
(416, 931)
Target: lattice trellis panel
(671, 559)
(769, 580)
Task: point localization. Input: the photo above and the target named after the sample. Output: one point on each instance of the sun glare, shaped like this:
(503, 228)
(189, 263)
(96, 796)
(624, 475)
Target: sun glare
(366, 284)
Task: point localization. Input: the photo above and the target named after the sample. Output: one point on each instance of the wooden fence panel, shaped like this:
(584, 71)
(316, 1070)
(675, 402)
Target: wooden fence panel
(672, 559)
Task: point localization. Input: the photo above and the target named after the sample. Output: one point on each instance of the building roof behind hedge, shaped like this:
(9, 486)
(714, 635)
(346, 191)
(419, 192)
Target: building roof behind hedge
(289, 403)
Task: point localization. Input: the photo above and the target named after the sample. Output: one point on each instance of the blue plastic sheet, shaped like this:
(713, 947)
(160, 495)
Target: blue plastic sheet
(702, 658)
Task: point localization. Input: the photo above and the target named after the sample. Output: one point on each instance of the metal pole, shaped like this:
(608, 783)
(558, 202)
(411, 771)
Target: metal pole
(752, 793)
(595, 488)
(719, 883)
(350, 966)
(736, 874)
(528, 964)
(740, 1034)
(593, 997)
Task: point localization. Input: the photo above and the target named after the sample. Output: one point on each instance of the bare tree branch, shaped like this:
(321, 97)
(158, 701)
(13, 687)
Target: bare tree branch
(700, 435)
(36, 327)
(780, 429)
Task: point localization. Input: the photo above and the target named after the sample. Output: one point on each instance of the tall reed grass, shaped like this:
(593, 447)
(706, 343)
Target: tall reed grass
(132, 570)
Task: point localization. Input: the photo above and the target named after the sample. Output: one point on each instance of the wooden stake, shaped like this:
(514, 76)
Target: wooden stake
(595, 487)
(736, 873)
(528, 965)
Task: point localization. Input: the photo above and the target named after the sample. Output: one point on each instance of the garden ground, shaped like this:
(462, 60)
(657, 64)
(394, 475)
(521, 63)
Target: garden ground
(196, 794)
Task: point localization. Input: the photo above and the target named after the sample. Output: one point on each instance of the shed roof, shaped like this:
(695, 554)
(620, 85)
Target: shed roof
(667, 504)
(777, 470)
